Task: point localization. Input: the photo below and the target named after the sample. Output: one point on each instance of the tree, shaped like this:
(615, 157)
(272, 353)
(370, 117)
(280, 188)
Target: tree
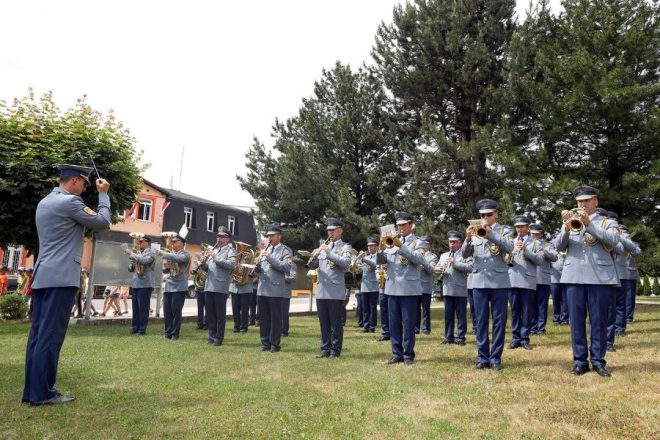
(34, 136)
(442, 62)
(335, 158)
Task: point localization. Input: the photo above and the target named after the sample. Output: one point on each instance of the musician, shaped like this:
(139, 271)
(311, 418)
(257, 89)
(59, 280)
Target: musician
(403, 288)
(369, 285)
(240, 304)
(543, 278)
(557, 290)
(490, 282)
(588, 275)
(142, 284)
(630, 282)
(523, 262)
(454, 270)
(272, 268)
(218, 268)
(61, 219)
(616, 314)
(289, 280)
(176, 287)
(332, 259)
(426, 279)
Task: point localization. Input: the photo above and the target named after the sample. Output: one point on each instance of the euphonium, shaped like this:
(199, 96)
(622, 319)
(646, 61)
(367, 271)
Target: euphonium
(245, 255)
(573, 218)
(175, 270)
(137, 236)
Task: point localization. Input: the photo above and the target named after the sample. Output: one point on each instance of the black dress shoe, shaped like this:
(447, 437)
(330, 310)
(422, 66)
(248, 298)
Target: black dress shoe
(244, 330)
(394, 360)
(217, 343)
(275, 349)
(174, 338)
(365, 330)
(579, 370)
(322, 355)
(460, 343)
(133, 331)
(602, 371)
(168, 337)
(482, 366)
(372, 330)
(426, 332)
(496, 367)
(447, 341)
(514, 345)
(263, 348)
(611, 347)
(57, 400)
(235, 330)
(383, 338)
(526, 346)
(408, 361)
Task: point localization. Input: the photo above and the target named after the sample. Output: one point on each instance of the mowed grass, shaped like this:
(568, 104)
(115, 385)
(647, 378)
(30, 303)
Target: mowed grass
(150, 387)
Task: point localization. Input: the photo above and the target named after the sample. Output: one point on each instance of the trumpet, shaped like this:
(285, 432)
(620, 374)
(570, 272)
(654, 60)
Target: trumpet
(478, 228)
(573, 218)
(317, 251)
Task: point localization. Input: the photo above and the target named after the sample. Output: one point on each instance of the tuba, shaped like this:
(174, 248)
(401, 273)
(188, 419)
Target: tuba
(137, 236)
(573, 219)
(245, 255)
(175, 270)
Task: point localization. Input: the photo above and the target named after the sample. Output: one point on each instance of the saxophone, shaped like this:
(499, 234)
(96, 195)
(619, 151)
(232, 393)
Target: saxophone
(137, 236)
(175, 270)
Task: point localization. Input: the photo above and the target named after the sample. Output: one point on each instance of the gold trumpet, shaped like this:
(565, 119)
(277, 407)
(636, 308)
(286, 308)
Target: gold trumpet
(573, 218)
(478, 228)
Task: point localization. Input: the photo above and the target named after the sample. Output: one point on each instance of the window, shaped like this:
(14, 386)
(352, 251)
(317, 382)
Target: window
(144, 212)
(210, 221)
(187, 217)
(231, 223)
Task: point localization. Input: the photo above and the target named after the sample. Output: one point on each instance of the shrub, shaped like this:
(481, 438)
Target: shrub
(12, 307)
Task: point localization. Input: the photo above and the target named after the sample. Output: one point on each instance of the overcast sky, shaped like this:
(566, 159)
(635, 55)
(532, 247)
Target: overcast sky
(204, 75)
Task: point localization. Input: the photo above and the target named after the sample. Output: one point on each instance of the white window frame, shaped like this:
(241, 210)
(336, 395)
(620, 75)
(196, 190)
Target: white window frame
(150, 204)
(187, 216)
(231, 223)
(210, 216)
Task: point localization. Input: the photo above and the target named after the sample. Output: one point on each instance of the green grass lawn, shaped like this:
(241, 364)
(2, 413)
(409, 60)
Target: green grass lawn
(150, 387)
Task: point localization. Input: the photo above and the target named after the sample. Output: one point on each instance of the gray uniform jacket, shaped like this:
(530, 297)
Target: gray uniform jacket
(523, 272)
(180, 283)
(369, 280)
(620, 261)
(272, 272)
(147, 258)
(61, 220)
(544, 270)
(489, 271)
(290, 277)
(585, 263)
(631, 249)
(332, 265)
(219, 268)
(426, 274)
(403, 273)
(557, 268)
(455, 278)
(240, 289)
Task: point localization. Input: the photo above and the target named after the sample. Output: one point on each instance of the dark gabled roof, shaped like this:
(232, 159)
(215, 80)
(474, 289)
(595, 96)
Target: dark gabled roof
(183, 196)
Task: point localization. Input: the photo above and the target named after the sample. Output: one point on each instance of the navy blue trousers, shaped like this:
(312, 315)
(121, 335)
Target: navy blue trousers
(359, 311)
(490, 302)
(473, 316)
(523, 303)
(595, 300)
(253, 306)
(201, 306)
(384, 315)
(216, 315)
(403, 311)
(559, 303)
(141, 300)
(616, 313)
(542, 295)
(270, 321)
(172, 309)
(424, 313)
(370, 306)
(286, 305)
(51, 309)
(330, 320)
(455, 307)
(240, 310)
(631, 292)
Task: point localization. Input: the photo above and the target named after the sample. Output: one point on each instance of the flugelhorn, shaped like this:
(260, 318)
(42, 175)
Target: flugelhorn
(478, 228)
(389, 236)
(573, 218)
